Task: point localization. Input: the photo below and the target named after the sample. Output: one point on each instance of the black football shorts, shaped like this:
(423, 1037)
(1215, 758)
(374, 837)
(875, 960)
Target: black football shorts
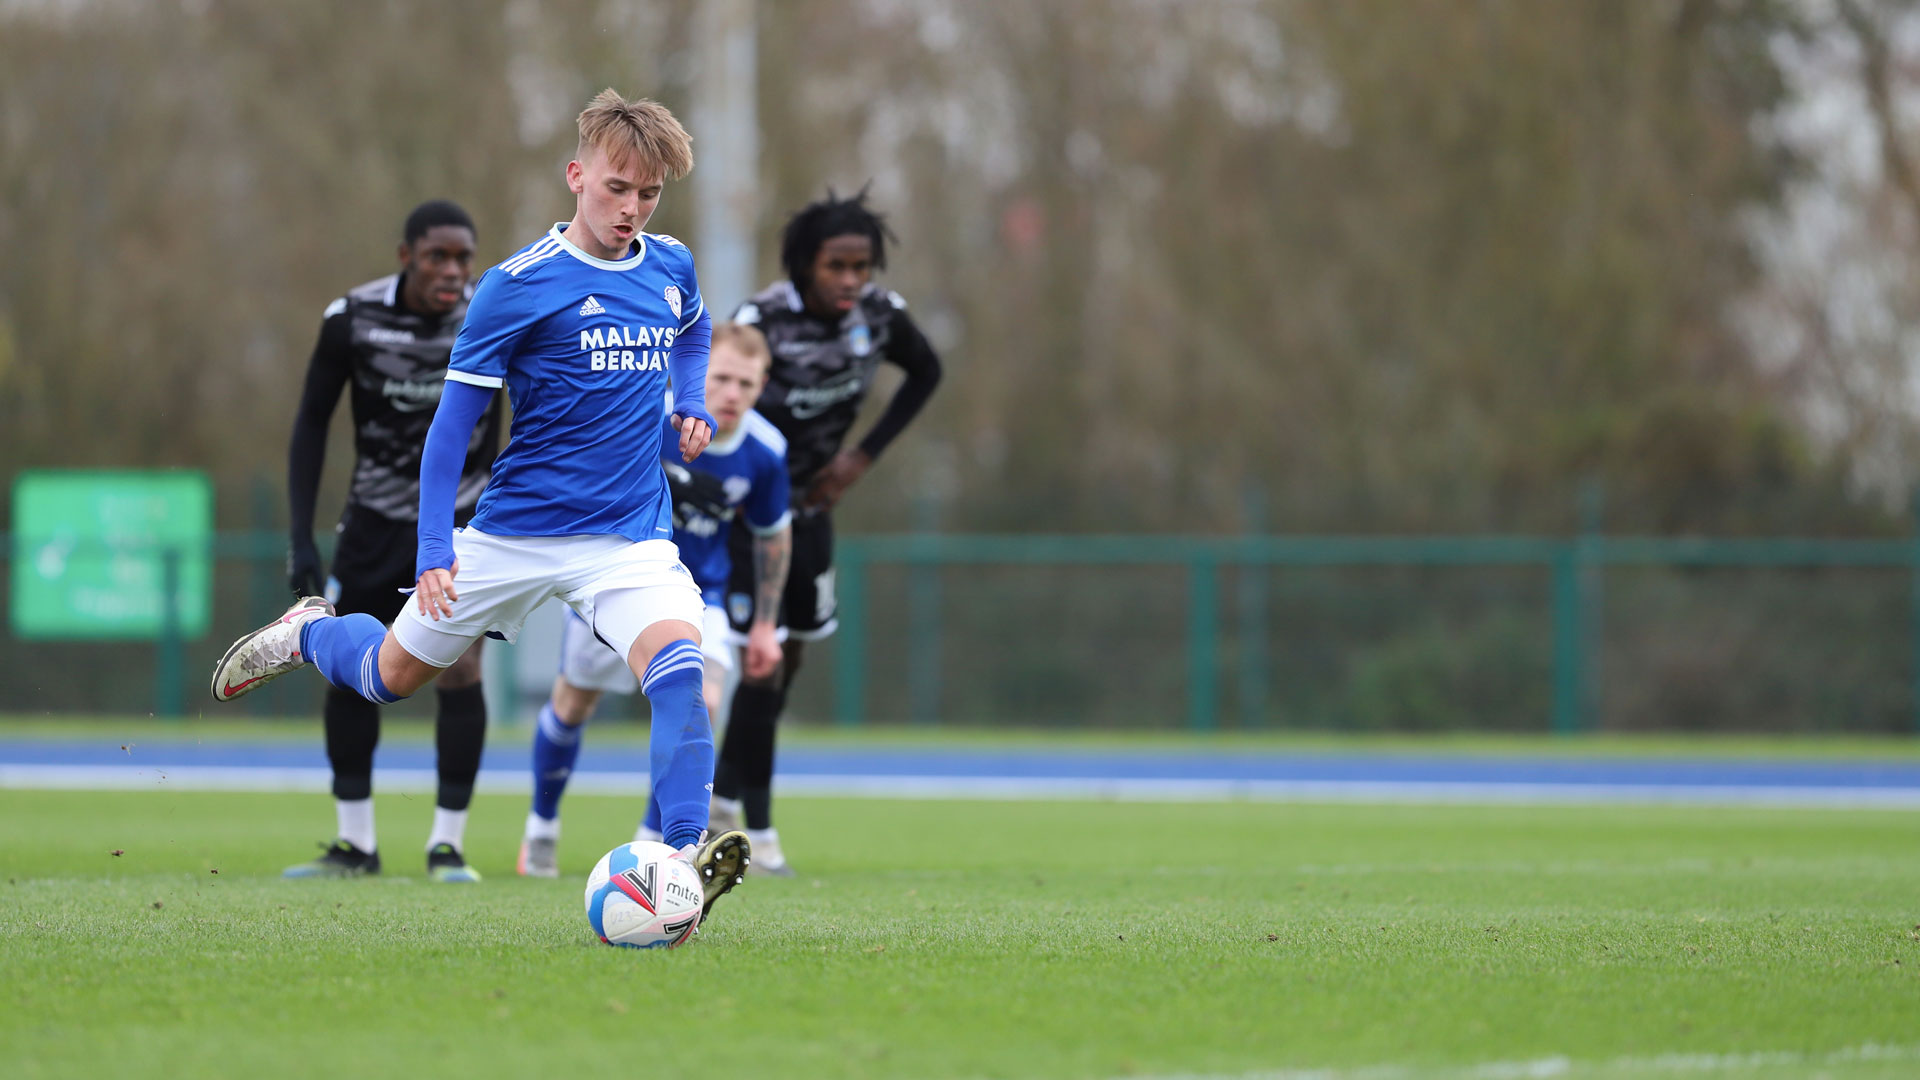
(808, 610)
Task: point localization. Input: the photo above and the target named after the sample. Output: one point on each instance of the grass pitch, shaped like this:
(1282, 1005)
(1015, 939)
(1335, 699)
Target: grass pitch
(975, 940)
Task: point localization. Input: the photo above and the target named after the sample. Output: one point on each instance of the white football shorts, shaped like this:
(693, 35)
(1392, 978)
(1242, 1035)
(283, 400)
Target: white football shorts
(587, 662)
(618, 586)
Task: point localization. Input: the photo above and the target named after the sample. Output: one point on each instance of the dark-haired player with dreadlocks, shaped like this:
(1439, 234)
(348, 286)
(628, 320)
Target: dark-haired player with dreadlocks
(390, 339)
(829, 326)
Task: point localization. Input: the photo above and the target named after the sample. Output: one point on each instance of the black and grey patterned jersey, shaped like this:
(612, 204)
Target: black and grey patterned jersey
(396, 361)
(822, 371)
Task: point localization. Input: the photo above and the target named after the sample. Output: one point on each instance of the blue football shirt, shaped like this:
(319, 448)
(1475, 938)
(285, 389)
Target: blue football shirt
(581, 345)
(752, 467)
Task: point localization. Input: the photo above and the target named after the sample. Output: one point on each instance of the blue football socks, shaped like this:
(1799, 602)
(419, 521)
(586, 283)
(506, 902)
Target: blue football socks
(652, 820)
(346, 649)
(555, 748)
(680, 747)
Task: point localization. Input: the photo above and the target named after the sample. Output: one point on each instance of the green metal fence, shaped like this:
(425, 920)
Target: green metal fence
(1576, 568)
(1116, 630)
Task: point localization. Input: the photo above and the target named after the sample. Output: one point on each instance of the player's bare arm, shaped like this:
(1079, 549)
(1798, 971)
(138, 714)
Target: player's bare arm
(771, 557)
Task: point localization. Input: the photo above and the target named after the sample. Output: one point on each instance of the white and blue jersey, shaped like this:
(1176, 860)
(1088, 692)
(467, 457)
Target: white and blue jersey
(752, 467)
(581, 344)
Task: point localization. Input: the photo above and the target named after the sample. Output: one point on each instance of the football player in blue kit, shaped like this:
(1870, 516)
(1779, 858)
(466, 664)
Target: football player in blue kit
(743, 474)
(583, 327)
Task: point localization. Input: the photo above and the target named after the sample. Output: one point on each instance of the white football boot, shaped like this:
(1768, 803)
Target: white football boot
(723, 815)
(767, 856)
(539, 857)
(267, 653)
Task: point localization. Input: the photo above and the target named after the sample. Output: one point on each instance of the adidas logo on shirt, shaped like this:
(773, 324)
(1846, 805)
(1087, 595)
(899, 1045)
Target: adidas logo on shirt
(592, 307)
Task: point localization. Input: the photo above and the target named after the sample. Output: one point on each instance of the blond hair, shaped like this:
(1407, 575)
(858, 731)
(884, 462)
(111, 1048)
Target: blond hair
(745, 340)
(639, 132)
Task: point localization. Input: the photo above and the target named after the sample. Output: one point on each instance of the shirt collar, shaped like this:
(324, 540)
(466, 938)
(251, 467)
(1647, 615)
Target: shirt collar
(558, 232)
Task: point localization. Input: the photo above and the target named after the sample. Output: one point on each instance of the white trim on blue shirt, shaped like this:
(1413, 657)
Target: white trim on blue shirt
(763, 429)
(558, 232)
(774, 529)
(726, 444)
(491, 382)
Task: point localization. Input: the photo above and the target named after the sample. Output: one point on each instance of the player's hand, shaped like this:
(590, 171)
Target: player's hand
(434, 592)
(846, 468)
(763, 650)
(303, 568)
(695, 434)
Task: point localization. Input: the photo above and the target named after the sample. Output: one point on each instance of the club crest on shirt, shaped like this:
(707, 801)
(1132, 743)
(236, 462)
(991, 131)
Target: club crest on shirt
(673, 299)
(859, 339)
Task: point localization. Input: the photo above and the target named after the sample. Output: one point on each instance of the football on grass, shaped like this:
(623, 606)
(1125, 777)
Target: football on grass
(640, 896)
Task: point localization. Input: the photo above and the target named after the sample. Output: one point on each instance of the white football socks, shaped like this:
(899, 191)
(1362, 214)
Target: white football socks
(539, 828)
(449, 827)
(355, 822)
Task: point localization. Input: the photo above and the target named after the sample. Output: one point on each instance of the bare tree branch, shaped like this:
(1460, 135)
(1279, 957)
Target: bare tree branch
(1877, 59)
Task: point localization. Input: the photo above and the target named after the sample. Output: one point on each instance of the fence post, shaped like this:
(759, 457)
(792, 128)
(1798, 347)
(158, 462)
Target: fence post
(1569, 651)
(1203, 642)
(1592, 601)
(1251, 576)
(171, 655)
(850, 651)
(923, 623)
(270, 594)
(1913, 608)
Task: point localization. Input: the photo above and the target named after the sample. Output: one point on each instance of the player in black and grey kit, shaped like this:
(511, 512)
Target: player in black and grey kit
(829, 328)
(390, 339)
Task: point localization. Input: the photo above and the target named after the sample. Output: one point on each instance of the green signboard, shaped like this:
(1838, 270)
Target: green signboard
(96, 552)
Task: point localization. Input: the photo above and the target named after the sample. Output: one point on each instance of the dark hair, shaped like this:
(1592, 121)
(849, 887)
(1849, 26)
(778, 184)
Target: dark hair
(436, 212)
(818, 222)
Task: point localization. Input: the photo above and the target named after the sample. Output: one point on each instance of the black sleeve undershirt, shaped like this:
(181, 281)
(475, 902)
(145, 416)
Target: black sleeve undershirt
(327, 375)
(907, 348)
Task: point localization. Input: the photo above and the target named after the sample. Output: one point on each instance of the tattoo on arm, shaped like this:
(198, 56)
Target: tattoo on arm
(771, 555)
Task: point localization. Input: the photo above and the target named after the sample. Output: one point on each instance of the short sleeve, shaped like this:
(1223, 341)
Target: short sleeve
(500, 314)
(767, 504)
(692, 304)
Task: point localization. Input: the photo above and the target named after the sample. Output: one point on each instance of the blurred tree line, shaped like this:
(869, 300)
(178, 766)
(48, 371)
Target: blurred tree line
(1398, 265)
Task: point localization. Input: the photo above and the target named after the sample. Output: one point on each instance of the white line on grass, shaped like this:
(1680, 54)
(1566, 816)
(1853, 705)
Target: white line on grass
(1560, 1068)
(513, 781)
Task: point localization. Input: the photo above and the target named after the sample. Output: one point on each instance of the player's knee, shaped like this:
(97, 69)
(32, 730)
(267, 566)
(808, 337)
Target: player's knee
(573, 705)
(401, 672)
(658, 636)
(676, 679)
